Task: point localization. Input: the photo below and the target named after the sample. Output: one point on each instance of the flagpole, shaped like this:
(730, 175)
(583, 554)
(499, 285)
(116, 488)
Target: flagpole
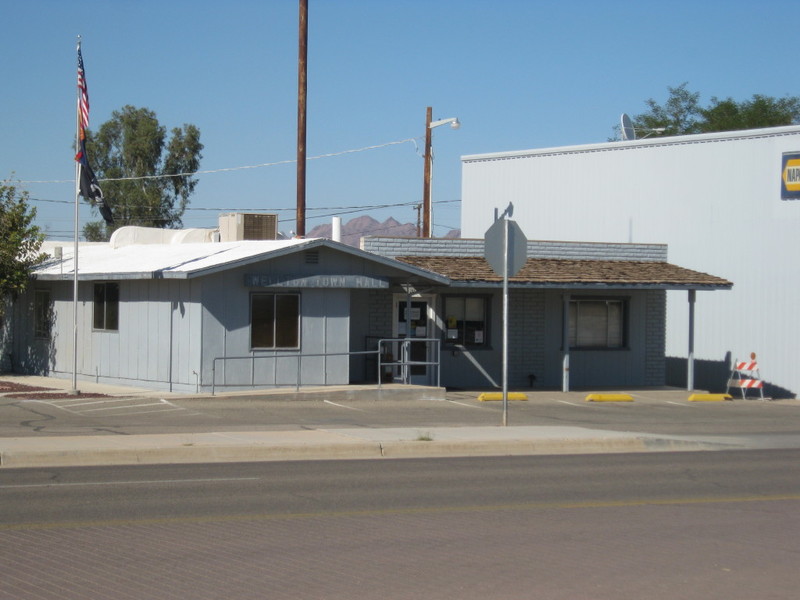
(75, 245)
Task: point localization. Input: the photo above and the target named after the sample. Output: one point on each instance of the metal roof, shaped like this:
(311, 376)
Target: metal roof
(186, 261)
(671, 140)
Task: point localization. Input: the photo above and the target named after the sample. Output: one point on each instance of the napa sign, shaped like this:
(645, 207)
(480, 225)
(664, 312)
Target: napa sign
(790, 176)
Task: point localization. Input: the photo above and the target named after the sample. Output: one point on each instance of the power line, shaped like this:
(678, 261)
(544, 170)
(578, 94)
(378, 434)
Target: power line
(250, 208)
(241, 168)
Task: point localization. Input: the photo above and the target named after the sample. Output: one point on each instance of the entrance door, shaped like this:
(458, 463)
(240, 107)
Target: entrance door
(414, 319)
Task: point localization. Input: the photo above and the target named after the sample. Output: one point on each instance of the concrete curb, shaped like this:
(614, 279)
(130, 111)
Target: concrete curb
(219, 447)
(538, 447)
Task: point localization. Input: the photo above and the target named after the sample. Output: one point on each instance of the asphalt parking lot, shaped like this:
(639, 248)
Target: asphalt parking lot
(655, 411)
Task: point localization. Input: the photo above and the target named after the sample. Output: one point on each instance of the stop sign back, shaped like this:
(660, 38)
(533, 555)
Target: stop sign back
(495, 243)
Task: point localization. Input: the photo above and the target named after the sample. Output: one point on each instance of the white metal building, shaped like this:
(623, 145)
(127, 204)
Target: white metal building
(724, 203)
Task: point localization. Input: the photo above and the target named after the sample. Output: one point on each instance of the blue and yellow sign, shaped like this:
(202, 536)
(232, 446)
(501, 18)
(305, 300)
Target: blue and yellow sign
(790, 176)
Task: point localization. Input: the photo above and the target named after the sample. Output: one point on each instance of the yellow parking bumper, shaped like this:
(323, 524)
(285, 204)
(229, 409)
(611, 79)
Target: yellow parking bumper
(489, 396)
(609, 398)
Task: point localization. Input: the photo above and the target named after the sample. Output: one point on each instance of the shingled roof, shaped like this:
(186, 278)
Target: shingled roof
(569, 273)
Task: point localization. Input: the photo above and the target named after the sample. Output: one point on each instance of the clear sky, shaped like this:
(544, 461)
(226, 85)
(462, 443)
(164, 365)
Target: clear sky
(518, 74)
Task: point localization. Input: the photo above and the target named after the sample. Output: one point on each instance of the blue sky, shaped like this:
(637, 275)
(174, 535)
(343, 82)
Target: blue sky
(518, 74)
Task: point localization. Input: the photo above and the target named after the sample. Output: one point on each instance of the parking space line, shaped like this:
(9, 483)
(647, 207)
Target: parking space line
(462, 404)
(103, 401)
(130, 404)
(343, 406)
(145, 412)
(88, 410)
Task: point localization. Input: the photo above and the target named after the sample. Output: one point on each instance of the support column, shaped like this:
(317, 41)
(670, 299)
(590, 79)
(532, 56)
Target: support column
(565, 337)
(690, 361)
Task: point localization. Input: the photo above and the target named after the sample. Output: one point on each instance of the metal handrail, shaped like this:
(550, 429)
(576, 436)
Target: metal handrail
(298, 356)
(406, 342)
(379, 351)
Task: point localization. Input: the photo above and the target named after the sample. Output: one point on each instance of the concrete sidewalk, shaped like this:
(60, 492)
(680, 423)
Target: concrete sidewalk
(325, 443)
(328, 444)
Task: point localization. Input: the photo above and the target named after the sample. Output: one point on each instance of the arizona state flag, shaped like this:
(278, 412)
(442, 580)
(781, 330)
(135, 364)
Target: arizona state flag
(88, 186)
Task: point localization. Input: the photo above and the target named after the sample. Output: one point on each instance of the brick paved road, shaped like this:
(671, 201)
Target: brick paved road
(730, 551)
(566, 533)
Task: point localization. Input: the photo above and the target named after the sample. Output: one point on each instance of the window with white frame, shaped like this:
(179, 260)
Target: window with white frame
(106, 306)
(466, 320)
(274, 321)
(597, 323)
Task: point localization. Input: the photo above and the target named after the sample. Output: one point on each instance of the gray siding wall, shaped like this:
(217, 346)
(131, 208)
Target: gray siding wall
(325, 328)
(155, 345)
(163, 318)
(31, 355)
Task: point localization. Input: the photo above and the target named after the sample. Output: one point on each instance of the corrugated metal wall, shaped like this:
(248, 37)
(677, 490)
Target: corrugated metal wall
(714, 199)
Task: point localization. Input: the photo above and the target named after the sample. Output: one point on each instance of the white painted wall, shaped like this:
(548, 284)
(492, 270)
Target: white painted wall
(714, 199)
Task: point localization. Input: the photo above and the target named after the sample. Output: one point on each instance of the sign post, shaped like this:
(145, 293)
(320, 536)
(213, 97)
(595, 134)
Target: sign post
(506, 250)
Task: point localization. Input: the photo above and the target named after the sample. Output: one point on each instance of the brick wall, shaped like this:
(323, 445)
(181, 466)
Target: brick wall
(526, 336)
(392, 247)
(380, 314)
(655, 337)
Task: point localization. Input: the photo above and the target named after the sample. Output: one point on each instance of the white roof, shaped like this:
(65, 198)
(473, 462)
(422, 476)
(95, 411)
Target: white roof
(670, 140)
(145, 261)
(183, 261)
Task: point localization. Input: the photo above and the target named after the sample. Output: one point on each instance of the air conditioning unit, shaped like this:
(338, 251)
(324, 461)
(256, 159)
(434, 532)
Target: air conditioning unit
(235, 227)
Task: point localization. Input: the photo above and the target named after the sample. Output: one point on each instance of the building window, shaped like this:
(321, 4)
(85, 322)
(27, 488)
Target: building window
(597, 323)
(106, 306)
(42, 314)
(274, 321)
(466, 320)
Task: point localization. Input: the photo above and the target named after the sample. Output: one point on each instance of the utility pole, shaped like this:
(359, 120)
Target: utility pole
(302, 89)
(426, 182)
(427, 211)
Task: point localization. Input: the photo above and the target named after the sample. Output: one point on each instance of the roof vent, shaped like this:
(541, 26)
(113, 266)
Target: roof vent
(311, 257)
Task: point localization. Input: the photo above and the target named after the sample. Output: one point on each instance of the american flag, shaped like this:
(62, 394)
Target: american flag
(89, 188)
(83, 101)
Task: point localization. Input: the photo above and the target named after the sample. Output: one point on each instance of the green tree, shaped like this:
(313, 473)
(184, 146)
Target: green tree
(20, 241)
(148, 177)
(760, 111)
(677, 116)
(682, 113)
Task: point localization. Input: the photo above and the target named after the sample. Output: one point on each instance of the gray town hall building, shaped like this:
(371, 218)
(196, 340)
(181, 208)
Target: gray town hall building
(184, 312)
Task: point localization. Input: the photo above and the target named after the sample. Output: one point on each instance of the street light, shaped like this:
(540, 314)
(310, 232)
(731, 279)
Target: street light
(427, 205)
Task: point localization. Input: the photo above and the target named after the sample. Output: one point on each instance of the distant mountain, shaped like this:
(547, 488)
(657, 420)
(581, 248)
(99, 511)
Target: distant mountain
(355, 229)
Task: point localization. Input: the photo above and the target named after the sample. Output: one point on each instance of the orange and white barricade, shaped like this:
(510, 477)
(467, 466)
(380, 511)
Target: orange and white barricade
(745, 375)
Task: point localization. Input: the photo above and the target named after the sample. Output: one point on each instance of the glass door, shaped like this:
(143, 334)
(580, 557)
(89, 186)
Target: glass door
(414, 321)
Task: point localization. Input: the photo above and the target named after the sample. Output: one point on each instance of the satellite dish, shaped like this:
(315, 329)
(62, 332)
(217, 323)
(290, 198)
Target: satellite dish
(628, 132)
